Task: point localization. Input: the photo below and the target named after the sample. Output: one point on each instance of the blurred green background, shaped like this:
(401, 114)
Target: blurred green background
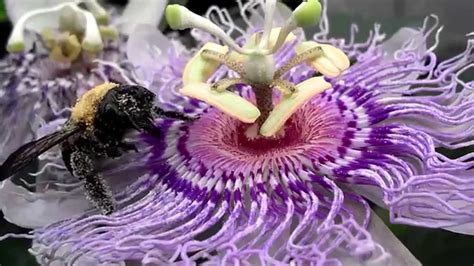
(431, 247)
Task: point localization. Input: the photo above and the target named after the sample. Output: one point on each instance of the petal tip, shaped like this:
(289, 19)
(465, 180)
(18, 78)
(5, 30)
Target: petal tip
(16, 47)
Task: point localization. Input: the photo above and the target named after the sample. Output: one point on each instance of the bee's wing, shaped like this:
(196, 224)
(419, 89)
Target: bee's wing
(31, 150)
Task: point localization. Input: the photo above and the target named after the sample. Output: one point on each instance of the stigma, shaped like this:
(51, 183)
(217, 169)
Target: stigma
(255, 65)
(72, 30)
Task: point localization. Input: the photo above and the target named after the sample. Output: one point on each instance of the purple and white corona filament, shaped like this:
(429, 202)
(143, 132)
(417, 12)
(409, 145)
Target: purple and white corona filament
(220, 190)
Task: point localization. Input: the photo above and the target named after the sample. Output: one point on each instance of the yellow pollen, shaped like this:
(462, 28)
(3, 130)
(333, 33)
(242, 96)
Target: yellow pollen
(66, 51)
(86, 107)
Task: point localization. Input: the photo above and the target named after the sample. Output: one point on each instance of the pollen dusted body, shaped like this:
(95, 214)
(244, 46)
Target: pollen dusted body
(104, 112)
(95, 131)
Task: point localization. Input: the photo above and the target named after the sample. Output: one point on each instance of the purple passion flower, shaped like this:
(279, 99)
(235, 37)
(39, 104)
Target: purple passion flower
(290, 144)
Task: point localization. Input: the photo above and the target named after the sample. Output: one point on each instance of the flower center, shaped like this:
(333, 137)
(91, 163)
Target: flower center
(219, 141)
(255, 64)
(290, 135)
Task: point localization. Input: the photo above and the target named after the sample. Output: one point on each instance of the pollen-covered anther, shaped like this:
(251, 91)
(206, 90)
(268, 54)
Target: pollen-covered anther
(65, 49)
(291, 103)
(226, 101)
(201, 67)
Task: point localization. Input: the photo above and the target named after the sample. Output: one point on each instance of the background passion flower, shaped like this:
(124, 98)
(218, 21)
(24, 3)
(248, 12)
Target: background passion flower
(216, 196)
(60, 50)
(38, 90)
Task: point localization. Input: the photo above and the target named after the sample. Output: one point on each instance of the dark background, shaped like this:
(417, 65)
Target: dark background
(431, 247)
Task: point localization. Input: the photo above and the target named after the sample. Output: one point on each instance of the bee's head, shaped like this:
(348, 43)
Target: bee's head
(136, 104)
(138, 96)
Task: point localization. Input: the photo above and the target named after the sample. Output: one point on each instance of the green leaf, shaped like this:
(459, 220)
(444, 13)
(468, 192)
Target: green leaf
(3, 12)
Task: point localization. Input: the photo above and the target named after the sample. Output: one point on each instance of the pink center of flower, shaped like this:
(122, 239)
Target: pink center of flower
(221, 142)
(290, 135)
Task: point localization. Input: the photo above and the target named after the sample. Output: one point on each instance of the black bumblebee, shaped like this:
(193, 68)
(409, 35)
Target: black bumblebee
(96, 129)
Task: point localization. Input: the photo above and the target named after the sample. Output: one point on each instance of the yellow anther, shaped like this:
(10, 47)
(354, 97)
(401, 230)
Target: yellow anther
(66, 51)
(306, 56)
(332, 62)
(200, 69)
(226, 101)
(224, 59)
(48, 38)
(291, 103)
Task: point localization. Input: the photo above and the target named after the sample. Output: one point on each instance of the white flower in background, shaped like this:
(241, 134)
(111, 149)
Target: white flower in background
(68, 27)
(61, 50)
(65, 27)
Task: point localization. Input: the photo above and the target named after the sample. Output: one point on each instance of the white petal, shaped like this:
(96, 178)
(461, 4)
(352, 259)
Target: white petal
(401, 38)
(405, 38)
(372, 193)
(282, 14)
(382, 234)
(15, 129)
(33, 210)
(146, 48)
(138, 12)
(81, 260)
(17, 8)
(467, 229)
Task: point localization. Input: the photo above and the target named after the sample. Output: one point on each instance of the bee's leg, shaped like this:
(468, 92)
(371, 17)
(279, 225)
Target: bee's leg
(128, 146)
(158, 112)
(112, 148)
(66, 154)
(113, 152)
(95, 187)
(116, 150)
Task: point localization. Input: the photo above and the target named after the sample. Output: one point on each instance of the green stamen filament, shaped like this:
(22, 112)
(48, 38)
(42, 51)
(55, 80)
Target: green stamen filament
(301, 58)
(224, 84)
(225, 60)
(283, 86)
